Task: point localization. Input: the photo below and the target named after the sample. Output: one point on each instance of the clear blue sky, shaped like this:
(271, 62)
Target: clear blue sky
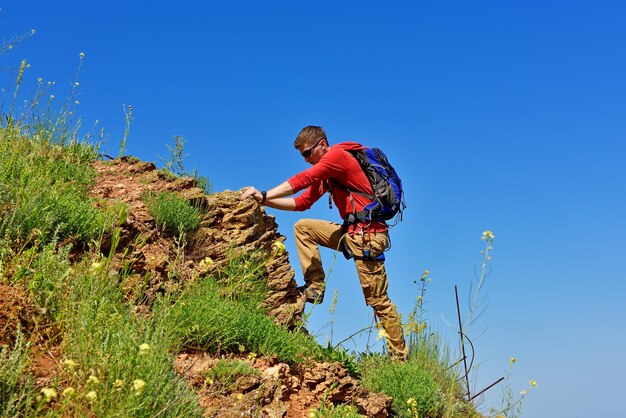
(508, 116)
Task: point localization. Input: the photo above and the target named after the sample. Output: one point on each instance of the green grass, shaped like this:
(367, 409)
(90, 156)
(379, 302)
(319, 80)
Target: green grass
(426, 378)
(203, 319)
(242, 278)
(173, 213)
(17, 388)
(224, 373)
(336, 411)
(403, 381)
(44, 270)
(104, 338)
(44, 192)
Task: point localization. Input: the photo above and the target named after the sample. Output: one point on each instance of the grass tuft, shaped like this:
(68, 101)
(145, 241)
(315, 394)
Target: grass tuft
(205, 320)
(173, 213)
(404, 381)
(225, 373)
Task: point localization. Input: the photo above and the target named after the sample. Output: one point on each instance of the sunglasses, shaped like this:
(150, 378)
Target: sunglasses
(307, 152)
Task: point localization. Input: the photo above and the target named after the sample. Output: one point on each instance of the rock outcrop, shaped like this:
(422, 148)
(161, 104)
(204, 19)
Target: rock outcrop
(277, 389)
(227, 224)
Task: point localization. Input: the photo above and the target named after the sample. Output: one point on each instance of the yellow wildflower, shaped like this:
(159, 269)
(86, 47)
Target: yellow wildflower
(68, 391)
(381, 334)
(118, 384)
(278, 248)
(91, 396)
(206, 261)
(139, 386)
(49, 394)
(71, 364)
(512, 360)
(488, 236)
(93, 379)
(532, 383)
(411, 402)
(144, 349)
(523, 393)
(81, 55)
(239, 396)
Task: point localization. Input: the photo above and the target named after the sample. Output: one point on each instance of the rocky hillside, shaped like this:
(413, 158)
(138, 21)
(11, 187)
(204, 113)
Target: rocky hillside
(270, 388)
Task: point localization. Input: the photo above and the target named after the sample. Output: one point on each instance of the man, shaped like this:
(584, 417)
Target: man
(336, 171)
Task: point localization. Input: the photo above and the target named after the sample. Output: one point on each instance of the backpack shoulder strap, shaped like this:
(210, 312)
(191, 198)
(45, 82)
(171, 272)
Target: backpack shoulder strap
(336, 182)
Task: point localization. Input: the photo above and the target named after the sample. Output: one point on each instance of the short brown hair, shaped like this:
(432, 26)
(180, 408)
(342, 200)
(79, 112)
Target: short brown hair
(309, 135)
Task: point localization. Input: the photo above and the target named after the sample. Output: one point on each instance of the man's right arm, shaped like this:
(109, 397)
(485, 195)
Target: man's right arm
(274, 198)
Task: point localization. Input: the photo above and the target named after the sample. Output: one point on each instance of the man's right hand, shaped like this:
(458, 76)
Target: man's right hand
(253, 193)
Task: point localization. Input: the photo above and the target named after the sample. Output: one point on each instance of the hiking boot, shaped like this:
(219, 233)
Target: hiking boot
(313, 296)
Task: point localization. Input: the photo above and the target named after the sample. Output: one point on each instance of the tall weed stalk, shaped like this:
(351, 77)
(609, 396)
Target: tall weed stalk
(17, 387)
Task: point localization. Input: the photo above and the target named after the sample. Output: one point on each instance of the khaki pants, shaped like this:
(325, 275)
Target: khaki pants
(309, 233)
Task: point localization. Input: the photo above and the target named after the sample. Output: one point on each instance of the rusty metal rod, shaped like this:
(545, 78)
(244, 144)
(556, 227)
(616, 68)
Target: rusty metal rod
(487, 388)
(457, 362)
(458, 311)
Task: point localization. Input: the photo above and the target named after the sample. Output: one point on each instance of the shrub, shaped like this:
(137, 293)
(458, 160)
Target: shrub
(226, 372)
(44, 271)
(404, 381)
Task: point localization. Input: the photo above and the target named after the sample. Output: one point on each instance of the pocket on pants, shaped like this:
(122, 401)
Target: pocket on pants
(367, 293)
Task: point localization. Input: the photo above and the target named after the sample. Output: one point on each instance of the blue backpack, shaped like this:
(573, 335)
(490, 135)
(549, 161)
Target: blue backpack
(388, 198)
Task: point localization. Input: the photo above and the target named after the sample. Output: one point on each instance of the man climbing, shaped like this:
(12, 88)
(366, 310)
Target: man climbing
(336, 171)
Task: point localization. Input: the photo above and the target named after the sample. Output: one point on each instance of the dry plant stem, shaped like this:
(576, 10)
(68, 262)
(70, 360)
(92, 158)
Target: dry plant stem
(128, 116)
(354, 335)
(481, 279)
(20, 77)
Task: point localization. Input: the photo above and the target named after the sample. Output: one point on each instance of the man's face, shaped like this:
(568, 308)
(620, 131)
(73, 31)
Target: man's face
(313, 152)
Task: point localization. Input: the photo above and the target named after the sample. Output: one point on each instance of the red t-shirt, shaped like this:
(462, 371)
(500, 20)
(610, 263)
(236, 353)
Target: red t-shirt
(339, 165)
